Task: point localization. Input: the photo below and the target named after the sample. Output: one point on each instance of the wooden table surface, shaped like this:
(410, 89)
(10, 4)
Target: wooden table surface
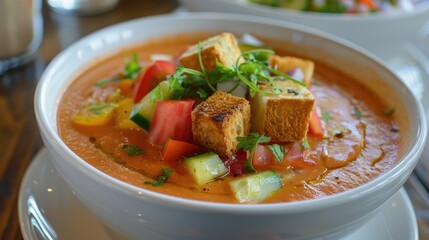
(19, 135)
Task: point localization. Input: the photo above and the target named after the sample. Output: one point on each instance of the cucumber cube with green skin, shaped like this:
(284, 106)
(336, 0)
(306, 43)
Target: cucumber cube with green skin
(256, 187)
(144, 110)
(205, 167)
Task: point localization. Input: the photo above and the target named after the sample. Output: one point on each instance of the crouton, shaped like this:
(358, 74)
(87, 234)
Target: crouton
(284, 117)
(219, 120)
(222, 47)
(284, 64)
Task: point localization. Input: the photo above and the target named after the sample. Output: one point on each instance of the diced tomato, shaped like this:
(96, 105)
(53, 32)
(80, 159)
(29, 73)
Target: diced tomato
(262, 156)
(296, 156)
(315, 127)
(176, 150)
(172, 119)
(236, 163)
(152, 76)
(369, 3)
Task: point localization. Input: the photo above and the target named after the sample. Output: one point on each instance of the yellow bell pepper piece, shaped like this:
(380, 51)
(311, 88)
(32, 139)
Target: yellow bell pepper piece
(126, 86)
(95, 115)
(123, 111)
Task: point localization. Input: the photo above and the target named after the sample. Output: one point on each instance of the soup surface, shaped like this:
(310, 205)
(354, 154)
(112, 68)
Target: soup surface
(358, 142)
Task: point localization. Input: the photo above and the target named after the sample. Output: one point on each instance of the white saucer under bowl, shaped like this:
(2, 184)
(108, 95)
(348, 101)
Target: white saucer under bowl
(48, 209)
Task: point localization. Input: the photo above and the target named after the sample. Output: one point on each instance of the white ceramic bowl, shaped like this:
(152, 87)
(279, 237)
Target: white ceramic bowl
(140, 213)
(382, 33)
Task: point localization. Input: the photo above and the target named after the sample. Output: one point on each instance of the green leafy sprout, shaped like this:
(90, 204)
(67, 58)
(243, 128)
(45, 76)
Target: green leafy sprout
(249, 144)
(130, 71)
(166, 172)
(249, 69)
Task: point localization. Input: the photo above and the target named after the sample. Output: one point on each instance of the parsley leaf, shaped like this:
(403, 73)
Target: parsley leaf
(98, 107)
(131, 70)
(132, 67)
(326, 116)
(253, 70)
(388, 111)
(184, 79)
(305, 144)
(357, 113)
(249, 144)
(104, 82)
(222, 73)
(166, 172)
(202, 93)
(278, 150)
(248, 69)
(132, 150)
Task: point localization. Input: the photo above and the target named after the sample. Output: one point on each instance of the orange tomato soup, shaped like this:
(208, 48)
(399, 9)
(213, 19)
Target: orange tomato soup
(361, 139)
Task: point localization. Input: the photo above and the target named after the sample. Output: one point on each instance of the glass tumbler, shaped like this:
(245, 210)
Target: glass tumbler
(82, 7)
(21, 32)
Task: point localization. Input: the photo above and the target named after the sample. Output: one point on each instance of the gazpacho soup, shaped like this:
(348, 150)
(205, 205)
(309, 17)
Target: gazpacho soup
(227, 118)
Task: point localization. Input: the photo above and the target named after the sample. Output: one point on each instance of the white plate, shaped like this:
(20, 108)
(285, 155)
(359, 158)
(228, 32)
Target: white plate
(48, 209)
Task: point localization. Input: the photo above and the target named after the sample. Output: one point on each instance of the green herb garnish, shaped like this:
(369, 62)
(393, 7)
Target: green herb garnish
(203, 69)
(98, 107)
(132, 150)
(278, 150)
(166, 172)
(249, 143)
(132, 67)
(193, 83)
(184, 80)
(357, 113)
(388, 111)
(131, 70)
(326, 116)
(305, 143)
(104, 82)
(202, 93)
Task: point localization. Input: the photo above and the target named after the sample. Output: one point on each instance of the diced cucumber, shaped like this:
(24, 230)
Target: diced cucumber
(256, 187)
(143, 111)
(205, 167)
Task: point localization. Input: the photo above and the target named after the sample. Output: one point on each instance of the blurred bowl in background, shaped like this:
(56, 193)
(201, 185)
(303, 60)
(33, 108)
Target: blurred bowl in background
(382, 32)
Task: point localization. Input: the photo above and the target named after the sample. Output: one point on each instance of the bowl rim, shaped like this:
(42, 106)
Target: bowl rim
(47, 129)
(421, 8)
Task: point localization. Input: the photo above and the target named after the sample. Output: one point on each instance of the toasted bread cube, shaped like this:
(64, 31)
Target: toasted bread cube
(284, 117)
(284, 64)
(222, 47)
(219, 120)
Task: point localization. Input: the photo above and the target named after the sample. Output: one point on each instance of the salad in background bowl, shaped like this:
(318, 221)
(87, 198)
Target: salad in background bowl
(340, 6)
(385, 33)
